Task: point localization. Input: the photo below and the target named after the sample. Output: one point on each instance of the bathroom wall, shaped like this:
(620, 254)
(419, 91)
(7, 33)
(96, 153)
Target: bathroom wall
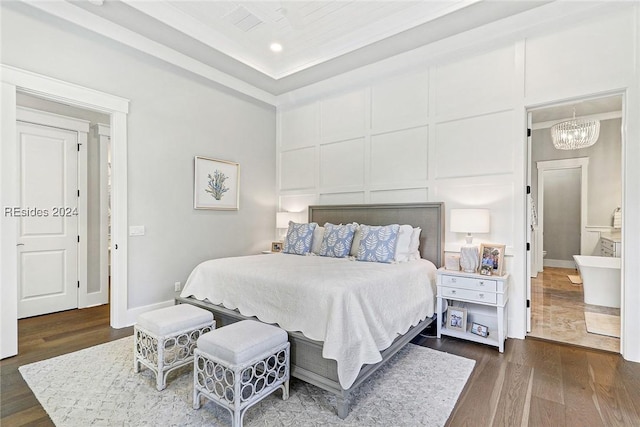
(605, 173)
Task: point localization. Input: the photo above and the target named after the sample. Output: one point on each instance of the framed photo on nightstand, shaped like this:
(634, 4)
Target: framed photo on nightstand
(276, 247)
(491, 259)
(457, 318)
(479, 329)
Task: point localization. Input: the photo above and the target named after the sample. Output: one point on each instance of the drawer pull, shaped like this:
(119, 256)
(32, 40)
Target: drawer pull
(453, 280)
(453, 291)
(481, 283)
(481, 295)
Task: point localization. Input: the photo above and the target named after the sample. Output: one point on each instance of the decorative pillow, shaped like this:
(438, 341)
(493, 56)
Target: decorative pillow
(414, 246)
(317, 240)
(337, 240)
(378, 243)
(299, 238)
(403, 245)
(356, 242)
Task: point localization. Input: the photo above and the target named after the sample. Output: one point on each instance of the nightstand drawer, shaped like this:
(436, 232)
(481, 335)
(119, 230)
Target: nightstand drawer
(470, 295)
(469, 283)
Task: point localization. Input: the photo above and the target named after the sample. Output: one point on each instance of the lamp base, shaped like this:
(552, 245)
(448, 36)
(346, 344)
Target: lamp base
(469, 258)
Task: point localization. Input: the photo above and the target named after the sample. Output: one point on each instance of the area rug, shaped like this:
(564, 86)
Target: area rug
(575, 279)
(602, 324)
(97, 387)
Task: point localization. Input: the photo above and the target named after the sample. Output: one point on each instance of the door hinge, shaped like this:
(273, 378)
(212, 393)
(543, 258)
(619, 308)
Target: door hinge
(528, 303)
(78, 284)
(78, 147)
(528, 246)
(78, 193)
(78, 239)
(528, 132)
(528, 190)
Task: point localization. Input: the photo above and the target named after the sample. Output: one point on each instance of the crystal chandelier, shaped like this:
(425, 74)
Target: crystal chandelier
(575, 133)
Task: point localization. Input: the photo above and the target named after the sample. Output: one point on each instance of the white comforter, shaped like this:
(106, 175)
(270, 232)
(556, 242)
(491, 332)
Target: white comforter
(356, 308)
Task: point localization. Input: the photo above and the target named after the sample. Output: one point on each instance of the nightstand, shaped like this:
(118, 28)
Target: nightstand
(485, 299)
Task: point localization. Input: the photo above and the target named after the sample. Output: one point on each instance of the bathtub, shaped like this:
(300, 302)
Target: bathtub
(600, 279)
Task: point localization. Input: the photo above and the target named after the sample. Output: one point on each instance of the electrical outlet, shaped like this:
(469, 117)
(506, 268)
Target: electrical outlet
(177, 286)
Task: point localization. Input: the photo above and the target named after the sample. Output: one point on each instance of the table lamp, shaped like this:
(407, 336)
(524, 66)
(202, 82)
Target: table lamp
(469, 221)
(282, 221)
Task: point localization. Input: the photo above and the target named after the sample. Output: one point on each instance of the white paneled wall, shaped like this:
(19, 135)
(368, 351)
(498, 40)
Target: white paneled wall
(399, 157)
(481, 145)
(589, 58)
(475, 85)
(400, 103)
(297, 168)
(455, 131)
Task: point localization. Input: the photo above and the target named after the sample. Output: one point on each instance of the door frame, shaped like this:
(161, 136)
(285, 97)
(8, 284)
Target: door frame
(18, 80)
(581, 163)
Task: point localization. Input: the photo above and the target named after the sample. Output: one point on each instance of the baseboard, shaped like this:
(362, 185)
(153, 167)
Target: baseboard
(133, 313)
(560, 263)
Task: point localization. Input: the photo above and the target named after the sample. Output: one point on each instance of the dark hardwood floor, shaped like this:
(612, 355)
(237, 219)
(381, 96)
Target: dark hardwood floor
(41, 338)
(542, 383)
(533, 383)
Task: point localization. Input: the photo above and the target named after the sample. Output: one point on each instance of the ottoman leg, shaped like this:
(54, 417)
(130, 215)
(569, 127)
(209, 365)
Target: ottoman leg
(196, 392)
(237, 418)
(161, 376)
(285, 390)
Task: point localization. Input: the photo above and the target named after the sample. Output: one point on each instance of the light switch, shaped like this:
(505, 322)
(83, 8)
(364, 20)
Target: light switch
(136, 230)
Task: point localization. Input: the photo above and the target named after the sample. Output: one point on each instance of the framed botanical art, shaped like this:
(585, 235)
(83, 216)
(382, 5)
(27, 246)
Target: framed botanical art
(216, 184)
(491, 259)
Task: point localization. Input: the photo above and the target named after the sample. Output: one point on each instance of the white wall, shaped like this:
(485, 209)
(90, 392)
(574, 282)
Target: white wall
(605, 169)
(173, 117)
(450, 125)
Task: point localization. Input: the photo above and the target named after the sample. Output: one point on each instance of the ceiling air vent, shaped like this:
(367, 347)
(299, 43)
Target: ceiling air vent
(243, 19)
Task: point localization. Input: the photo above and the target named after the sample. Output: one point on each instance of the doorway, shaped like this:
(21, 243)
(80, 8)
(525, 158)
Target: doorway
(574, 194)
(15, 80)
(63, 169)
(562, 196)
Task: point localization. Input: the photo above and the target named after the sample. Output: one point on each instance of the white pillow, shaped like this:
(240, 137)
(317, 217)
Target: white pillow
(414, 246)
(356, 242)
(318, 234)
(403, 246)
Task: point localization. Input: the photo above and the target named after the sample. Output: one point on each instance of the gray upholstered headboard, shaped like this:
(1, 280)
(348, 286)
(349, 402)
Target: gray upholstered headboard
(428, 216)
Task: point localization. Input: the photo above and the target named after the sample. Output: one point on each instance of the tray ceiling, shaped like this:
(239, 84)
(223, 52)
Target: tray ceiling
(319, 39)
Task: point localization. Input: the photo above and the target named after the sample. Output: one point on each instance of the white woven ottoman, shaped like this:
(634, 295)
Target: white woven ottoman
(240, 364)
(165, 339)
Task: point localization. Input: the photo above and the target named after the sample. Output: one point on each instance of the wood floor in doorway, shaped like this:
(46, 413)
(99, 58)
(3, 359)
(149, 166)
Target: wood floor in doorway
(557, 311)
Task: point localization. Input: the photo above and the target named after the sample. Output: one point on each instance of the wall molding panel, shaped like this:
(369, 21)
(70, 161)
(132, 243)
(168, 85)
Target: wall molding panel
(452, 128)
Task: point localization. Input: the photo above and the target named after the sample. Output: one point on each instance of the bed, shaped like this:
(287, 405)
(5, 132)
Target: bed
(308, 341)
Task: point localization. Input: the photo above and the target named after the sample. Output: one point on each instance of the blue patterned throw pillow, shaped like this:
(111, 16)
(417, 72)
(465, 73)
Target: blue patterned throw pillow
(299, 238)
(337, 239)
(378, 243)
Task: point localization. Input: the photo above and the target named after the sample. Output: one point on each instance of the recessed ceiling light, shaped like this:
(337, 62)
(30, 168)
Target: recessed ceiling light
(276, 47)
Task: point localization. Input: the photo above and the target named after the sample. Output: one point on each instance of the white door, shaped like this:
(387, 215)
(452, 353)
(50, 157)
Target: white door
(48, 230)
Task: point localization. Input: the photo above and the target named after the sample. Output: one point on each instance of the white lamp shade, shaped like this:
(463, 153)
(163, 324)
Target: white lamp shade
(283, 218)
(470, 221)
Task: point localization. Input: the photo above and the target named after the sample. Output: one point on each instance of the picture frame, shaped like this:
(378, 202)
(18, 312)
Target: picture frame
(492, 258)
(457, 318)
(478, 329)
(216, 184)
(276, 246)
